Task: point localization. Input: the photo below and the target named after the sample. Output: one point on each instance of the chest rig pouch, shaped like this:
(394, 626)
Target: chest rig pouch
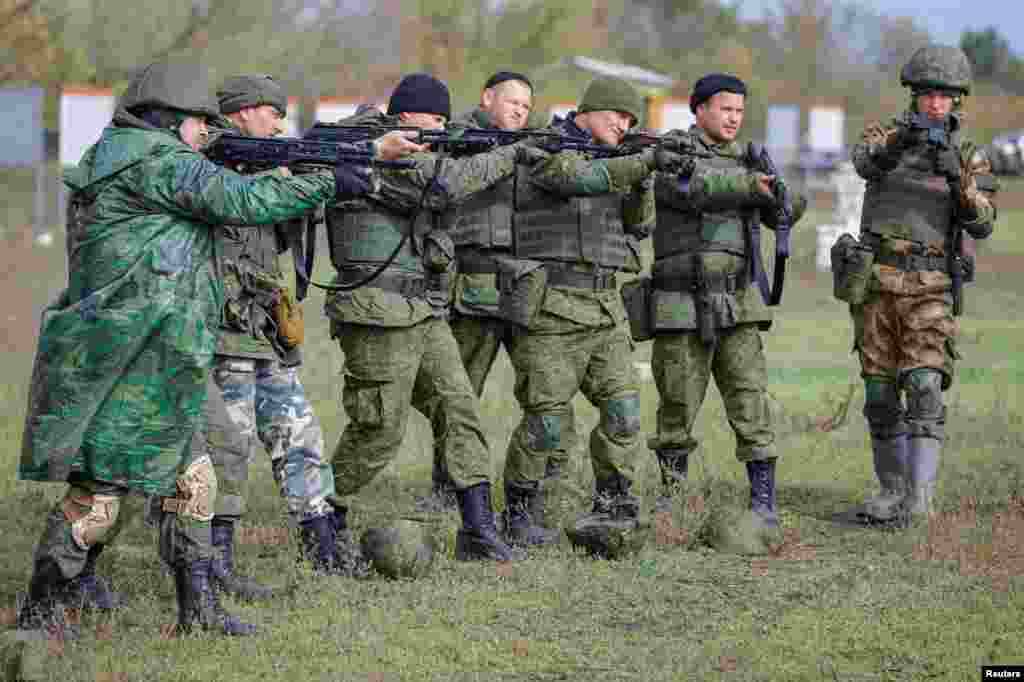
(851, 269)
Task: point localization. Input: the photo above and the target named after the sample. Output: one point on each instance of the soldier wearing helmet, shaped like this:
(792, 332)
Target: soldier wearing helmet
(116, 404)
(926, 185)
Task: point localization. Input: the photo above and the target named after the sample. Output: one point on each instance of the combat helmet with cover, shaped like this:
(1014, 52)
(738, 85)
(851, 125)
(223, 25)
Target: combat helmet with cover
(938, 67)
(177, 85)
(402, 549)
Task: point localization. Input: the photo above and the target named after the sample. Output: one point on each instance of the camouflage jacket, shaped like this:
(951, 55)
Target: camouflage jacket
(972, 207)
(247, 261)
(418, 194)
(702, 221)
(571, 174)
(119, 383)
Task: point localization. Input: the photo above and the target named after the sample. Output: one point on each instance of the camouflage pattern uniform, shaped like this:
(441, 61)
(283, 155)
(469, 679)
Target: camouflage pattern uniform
(120, 378)
(399, 350)
(481, 229)
(581, 218)
(701, 237)
(905, 328)
(258, 375)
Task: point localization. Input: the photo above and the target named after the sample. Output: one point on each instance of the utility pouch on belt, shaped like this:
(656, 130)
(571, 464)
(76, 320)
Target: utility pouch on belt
(851, 269)
(637, 299)
(521, 288)
(291, 330)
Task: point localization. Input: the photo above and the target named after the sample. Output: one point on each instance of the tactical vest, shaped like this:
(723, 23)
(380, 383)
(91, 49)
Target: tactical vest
(366, 234)
(912, 201)
(586, 230)
(681, 230)
(484, 220)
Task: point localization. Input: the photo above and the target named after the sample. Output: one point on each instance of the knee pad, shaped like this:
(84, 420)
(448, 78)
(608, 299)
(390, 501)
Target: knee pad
(620, 416)
(197, 487)
(544, 431)
(883, 408)
(925, 411)
(93, 516)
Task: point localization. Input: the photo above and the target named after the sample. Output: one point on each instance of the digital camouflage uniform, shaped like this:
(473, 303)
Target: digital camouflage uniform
(258, 375)
(905, 328)
(121, 373)
(582, 219)
(399, 350)
(702, 237)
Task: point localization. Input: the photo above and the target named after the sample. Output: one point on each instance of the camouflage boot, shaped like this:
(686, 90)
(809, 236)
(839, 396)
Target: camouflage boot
(922, 471)
(198, 603)
(890, 459)
(223, 576)
(673, 463)
(88, 590)
(478, 538)
(44, 606)
(762, 490)
(523, 512)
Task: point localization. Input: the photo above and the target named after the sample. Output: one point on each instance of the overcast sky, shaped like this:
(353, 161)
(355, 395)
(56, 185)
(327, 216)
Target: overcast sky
(945, 19)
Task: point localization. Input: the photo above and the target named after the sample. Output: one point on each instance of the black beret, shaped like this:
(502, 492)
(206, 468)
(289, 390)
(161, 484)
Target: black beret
(421, 93)
(713, 83)
(503, 76)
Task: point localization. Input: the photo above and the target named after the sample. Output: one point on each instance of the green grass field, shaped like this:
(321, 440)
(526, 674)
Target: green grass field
(934, 602)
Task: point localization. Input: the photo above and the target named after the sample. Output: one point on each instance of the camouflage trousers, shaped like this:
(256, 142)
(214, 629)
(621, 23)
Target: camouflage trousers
(387, 371)
(683, 366)
(90, 515)
(266, 401)
(550, 369)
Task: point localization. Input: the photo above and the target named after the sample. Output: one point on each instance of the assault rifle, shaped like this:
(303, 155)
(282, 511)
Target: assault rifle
(761, 160)
(255, 154)
(461, 141)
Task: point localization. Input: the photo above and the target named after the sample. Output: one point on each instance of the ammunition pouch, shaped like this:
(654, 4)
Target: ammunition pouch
(287, 315)
(521, 287)
(638, 301)
(851, 269)
(438, 251)
(408, 285)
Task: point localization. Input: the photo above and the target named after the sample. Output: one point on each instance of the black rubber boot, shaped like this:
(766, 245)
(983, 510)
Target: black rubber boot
(43, 609)
(198, 603)
(523, 510)
(478, 538)
(88, 590)
(223, 577)
(319, 543)
(613, 498)
(762, 490)
(673, 463)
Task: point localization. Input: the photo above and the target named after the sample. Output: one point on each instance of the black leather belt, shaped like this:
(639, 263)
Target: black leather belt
(565, 277)
(712, 283)
(409, 286)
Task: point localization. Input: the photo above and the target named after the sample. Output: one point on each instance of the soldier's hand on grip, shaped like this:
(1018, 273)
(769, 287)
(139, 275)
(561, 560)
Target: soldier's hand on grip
(352, 182)
(397, 144)
(528, 152)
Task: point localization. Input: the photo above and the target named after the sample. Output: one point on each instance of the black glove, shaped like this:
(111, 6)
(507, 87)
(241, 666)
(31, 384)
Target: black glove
(352, 182)
(947, 164)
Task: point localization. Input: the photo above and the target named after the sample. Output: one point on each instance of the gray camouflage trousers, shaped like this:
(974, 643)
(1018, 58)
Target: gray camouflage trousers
(266, 401)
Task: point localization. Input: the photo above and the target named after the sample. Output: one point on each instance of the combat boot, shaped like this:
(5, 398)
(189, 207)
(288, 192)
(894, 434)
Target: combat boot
(198, 603)
(88, 590)
(673, 463)
(44, 607)
(890, 460)
(613, 498)
(523, 511)
(223, 576)
(478, 538)
(319, 543)
(762, 490)
(922, 471)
